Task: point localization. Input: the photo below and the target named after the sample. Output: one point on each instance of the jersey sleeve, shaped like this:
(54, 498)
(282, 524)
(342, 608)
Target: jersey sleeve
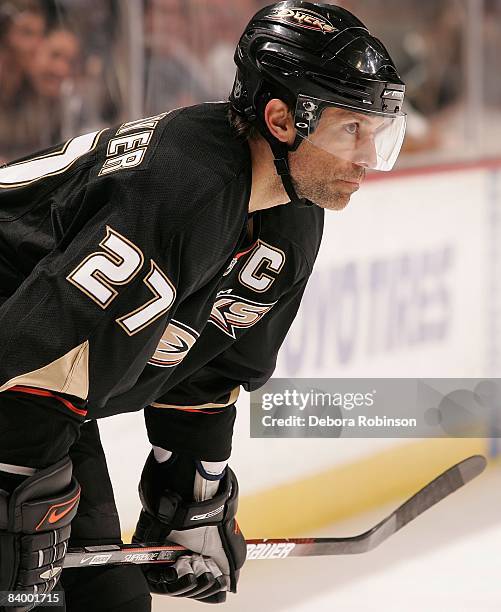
(197, 415)
(116, 256)
(249, 361)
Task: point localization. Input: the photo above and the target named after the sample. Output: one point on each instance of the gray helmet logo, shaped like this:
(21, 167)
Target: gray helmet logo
(303, 18)
(237, 89)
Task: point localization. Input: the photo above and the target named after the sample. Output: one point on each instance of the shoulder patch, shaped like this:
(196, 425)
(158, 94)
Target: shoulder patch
(174, 345)
(232, 312)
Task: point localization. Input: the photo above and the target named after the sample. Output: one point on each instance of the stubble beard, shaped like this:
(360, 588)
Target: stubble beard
(310, 183)
(320, 195)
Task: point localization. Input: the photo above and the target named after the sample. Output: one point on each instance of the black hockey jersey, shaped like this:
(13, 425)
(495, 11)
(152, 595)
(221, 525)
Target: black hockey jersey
(112, 250)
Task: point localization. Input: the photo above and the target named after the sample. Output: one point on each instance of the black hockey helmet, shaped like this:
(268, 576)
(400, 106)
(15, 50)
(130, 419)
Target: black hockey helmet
(317, 56)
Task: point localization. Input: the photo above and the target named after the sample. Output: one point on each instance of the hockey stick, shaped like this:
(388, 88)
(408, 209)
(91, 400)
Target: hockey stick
(438, 489)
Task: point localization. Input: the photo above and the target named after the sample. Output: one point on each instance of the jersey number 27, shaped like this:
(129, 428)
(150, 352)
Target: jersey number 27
(118, 264)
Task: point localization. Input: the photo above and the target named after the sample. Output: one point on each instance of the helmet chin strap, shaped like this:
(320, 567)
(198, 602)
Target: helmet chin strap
(281, 160)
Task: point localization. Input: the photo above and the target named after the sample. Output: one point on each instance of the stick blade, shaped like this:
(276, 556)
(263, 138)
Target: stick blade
(435, 491)
(472, 467)
(438, 489)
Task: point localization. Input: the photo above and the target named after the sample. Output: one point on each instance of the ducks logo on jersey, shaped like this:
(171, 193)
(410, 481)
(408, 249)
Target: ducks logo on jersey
(174, 345)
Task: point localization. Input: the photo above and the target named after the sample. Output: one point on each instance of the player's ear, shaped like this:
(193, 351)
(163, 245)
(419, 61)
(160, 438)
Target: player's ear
(279, 120)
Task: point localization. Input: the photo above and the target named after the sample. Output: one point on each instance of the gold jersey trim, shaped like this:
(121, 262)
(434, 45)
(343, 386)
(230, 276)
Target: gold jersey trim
(69, 374)
(232, 399)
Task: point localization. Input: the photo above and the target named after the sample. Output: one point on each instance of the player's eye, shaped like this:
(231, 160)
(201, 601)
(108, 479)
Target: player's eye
(352, 128)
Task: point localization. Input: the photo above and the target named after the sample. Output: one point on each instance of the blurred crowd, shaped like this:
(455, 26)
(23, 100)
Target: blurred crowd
(56, 72)
(70, 66)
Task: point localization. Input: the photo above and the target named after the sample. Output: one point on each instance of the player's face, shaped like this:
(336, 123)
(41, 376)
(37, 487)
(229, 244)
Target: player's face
(323, 178)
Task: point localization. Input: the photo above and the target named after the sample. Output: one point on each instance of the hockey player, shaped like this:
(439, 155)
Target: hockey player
(113, 254)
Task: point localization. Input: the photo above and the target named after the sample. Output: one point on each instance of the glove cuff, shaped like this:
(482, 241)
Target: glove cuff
(178, 514)
(46, 501)
(35, 528)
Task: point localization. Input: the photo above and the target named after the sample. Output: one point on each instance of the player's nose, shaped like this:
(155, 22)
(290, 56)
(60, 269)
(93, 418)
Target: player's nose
(366, 154)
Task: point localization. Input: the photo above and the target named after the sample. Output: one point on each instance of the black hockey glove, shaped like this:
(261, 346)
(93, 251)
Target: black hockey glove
(34, 531)
(207, 527)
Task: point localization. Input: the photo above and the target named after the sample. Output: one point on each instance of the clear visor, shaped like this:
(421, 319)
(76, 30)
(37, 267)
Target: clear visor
(371, 140)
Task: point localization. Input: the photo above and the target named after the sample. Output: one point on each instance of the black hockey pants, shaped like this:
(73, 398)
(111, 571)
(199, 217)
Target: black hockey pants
(99, 589)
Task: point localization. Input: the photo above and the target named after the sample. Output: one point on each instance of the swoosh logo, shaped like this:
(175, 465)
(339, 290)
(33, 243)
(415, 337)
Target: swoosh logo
(49, 574)
(96, 559)
(56, 516)
(58, 511)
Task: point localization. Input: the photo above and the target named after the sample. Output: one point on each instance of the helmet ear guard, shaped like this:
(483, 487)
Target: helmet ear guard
(279, 149)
